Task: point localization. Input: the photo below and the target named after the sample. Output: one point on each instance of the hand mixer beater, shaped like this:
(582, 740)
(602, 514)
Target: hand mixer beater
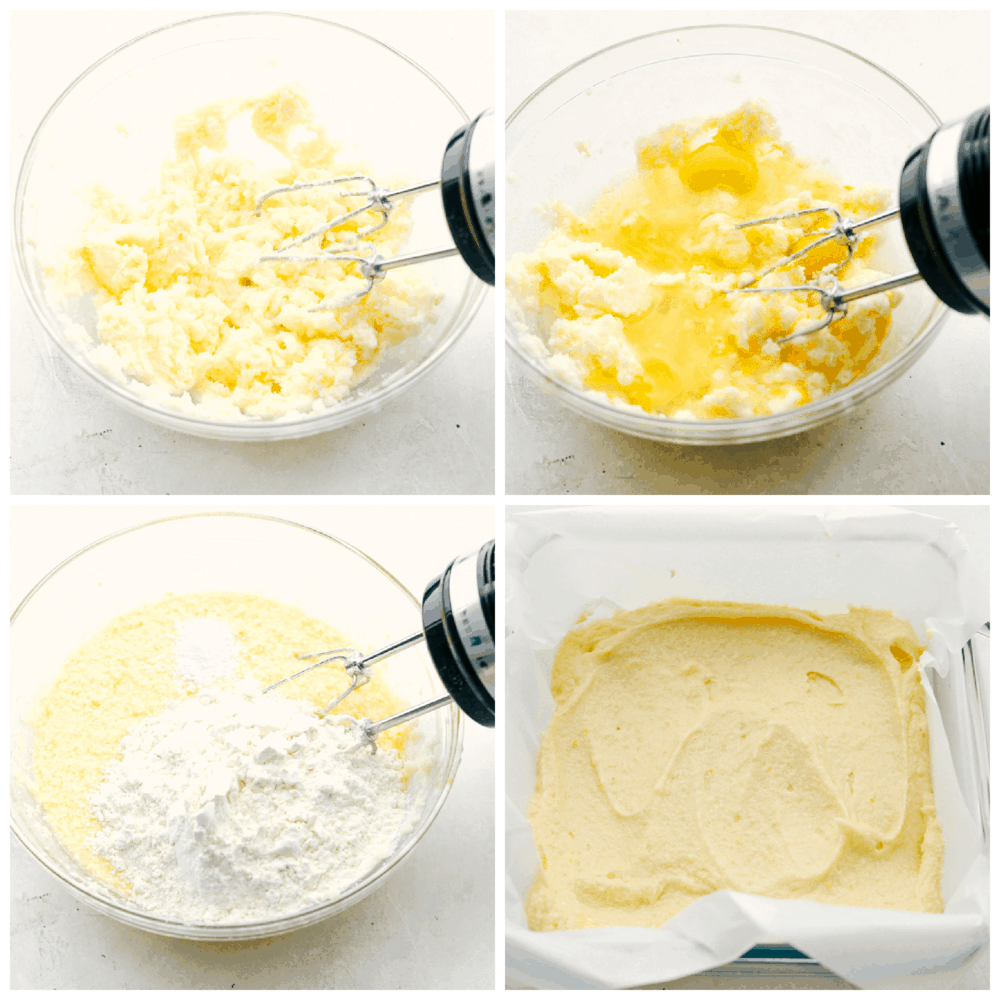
(467, 187)
(458, 627)
(944, 208)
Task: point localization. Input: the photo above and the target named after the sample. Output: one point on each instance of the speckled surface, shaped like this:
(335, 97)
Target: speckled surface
(927, 433)
(429, 926)
(68, 438)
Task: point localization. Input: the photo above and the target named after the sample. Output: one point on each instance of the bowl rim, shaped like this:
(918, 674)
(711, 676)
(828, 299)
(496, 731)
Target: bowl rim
(727, 430)
(267, 927)
(301, 425)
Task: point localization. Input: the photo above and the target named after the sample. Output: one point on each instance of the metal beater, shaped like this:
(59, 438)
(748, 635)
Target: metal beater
(944, 207)
(458, 627)
(467, 185)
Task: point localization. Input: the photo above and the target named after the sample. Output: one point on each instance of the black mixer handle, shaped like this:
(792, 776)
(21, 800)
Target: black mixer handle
(944, 206)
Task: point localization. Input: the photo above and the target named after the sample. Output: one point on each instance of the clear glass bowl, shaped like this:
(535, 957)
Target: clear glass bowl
(147, 82)
(832, 105)
(289, 562)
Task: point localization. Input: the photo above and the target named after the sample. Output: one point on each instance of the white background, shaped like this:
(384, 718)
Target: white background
(67, 438)
(430, 926)
(926, 433)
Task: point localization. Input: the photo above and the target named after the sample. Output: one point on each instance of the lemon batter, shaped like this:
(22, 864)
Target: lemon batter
(698, 746)
(185, 305)
(127, 672)
(628, 299)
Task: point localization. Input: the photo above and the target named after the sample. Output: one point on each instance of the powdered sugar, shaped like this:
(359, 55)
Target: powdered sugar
(232, 806)
(206, 650)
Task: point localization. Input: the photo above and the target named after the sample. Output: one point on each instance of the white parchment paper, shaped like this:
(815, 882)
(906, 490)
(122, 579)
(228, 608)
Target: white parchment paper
(564, 561)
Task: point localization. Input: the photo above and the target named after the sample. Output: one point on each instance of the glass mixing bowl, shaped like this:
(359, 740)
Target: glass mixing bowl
(325, 576)
(372, 97)
(831, 105)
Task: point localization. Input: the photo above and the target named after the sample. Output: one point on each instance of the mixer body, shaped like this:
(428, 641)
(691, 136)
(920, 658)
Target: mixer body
(944, 203)
(458, 614)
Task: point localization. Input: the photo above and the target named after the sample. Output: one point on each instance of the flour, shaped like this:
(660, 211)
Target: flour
(232, 806)
(206, 650)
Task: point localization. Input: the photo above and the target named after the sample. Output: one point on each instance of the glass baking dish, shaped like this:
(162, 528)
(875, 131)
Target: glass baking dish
(960, 687)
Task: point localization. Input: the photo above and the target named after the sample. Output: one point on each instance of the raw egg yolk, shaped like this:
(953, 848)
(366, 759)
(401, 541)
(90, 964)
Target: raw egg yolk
(718, 165)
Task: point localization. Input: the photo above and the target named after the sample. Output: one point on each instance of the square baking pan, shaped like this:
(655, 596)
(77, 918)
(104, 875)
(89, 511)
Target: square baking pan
(564, 561)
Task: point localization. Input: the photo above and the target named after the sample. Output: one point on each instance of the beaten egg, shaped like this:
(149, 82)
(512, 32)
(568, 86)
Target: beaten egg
(633, 298)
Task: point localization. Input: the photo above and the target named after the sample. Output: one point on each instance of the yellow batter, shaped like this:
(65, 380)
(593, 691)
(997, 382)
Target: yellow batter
(185, 306)
(698, 746)
(628, 299)
(126, 672)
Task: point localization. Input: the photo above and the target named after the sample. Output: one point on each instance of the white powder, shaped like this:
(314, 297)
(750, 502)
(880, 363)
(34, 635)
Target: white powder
(231, 806)
(206, 650)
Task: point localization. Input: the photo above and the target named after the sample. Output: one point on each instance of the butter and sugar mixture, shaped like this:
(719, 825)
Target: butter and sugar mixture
(189, 309)
(628, 299)
(698, 746)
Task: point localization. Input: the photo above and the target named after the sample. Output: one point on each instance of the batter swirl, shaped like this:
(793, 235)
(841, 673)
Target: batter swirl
(699, 746)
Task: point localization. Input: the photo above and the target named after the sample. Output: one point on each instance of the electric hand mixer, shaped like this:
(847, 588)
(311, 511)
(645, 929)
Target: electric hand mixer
(944, 208)
(458, 627)
(467, 186)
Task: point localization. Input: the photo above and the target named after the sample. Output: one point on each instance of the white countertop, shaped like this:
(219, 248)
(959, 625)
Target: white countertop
(68, 438)
(430, 926)
(927, 433)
